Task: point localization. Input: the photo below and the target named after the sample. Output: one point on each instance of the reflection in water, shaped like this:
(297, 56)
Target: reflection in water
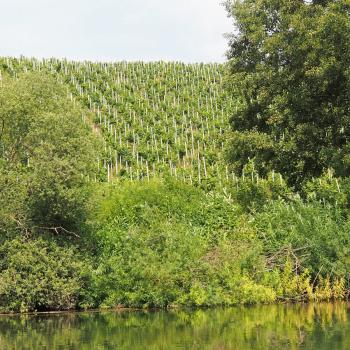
(312, 326)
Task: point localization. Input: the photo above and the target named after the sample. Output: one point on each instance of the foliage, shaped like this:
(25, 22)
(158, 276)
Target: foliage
(253, 192)
(155, 118)
(289, 63)
(47, 154)
(39, 275)
(161, 220)
(329, 190)
(314, 236)
(162, 247)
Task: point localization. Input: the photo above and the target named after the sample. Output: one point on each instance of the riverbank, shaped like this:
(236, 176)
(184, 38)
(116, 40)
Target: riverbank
(172, 308)
(164, 243)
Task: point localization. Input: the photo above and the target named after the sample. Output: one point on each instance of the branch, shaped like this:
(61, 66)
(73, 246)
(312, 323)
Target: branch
(319, 271)
(20, 224)
(2, 127)
(287, 250)
(57, 230)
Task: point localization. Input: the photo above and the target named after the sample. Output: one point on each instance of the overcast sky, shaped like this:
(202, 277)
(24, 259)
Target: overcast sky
(114, 30)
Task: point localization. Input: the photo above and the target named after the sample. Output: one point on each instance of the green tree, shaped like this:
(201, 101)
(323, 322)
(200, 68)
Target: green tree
(47, 154)
(289, 71)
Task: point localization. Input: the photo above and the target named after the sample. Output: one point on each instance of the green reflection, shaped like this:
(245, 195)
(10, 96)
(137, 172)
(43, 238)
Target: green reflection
(310, 326)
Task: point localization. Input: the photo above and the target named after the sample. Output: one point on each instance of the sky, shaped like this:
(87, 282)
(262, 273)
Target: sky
(115, 30)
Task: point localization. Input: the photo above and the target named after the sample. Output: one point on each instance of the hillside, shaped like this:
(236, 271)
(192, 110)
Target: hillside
(154, 117)
(165, 242)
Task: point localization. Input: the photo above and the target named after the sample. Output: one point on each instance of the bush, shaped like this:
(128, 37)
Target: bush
(328, 190)
(313, 235)
(252, 192)
(39, 275)
(166, 243)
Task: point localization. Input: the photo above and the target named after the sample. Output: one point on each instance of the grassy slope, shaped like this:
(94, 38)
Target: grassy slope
(176, 245)
(155, 117)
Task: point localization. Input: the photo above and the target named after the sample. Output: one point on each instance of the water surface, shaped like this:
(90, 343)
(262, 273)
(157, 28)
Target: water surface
(313, 326)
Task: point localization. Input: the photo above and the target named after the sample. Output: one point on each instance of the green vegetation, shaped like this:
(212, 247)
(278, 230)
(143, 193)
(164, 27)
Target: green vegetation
(155, 118)
(289, 64)
(119, 188)
(40, 275)
(47, 155)
(166, 243)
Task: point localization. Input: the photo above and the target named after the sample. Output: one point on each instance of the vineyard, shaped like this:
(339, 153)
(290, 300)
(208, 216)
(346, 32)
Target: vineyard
(150, 185)
(155, 118)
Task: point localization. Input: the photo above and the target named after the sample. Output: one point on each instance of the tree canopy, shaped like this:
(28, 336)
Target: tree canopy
(290, 72)
(46, 155)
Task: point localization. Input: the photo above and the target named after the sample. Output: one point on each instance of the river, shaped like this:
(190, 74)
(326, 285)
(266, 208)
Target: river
(310, 326)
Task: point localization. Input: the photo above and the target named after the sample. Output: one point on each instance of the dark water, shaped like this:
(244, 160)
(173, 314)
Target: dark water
(319, 326)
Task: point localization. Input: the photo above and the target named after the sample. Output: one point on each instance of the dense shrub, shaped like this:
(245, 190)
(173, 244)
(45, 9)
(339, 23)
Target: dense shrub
(252, 192)
(314, 235)
(37, 275)
(166, 243)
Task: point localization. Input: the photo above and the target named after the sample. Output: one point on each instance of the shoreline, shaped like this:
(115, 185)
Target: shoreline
(155, 309)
